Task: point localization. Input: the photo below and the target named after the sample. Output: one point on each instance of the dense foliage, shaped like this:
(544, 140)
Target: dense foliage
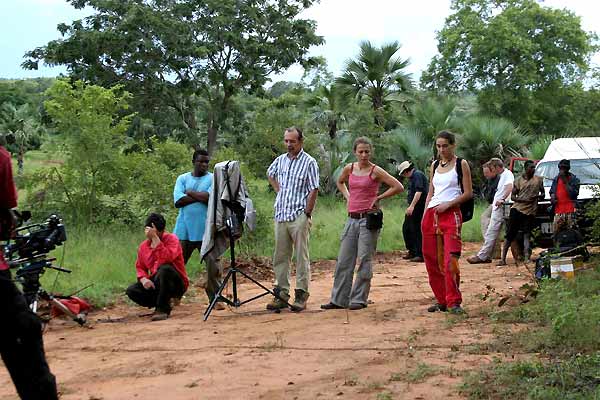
(524, 60)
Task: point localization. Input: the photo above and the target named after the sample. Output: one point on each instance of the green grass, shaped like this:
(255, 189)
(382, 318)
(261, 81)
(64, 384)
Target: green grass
(565, 328)
(573, 378)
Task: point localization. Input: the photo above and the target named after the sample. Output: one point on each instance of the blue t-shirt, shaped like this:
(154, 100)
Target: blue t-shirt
(192, 218)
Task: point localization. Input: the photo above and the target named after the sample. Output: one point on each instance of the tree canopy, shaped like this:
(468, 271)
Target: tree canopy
(190, 56)
(512, 52)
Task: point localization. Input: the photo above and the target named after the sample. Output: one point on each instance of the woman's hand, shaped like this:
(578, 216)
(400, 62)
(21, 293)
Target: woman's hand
(443, 207)
(375, 205)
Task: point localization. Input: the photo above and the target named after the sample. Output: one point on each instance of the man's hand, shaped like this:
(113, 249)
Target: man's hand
(409, 211)
(152, 235)
(499, 203)
(147, 283)
(151, 232)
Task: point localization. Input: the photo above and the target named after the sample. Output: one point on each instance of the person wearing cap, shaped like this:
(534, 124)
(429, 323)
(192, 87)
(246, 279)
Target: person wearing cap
(418, 187)
(563, 195)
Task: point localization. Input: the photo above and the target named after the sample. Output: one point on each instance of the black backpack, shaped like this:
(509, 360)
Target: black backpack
(466, 208)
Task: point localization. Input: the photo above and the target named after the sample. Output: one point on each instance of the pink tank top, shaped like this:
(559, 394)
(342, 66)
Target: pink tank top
(363, 191)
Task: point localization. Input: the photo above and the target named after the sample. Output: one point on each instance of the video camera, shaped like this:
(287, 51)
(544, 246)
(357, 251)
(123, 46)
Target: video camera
(34, 241)
(28, 252)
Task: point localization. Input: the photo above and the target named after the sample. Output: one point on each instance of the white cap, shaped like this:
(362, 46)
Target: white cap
(403, 166)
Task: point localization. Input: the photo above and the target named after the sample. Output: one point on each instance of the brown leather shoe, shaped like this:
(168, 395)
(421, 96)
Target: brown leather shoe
(159, 316)
(277, 304)
(477, 260)
(300, 299)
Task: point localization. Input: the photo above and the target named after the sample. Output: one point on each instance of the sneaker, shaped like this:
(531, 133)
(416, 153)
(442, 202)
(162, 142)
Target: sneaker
(300, 299)
(407, 256)
(331, 306)
(477, 260)
(417, 259)
(277, 304)
(437, 307)
(159, 316)
(357, 306)
(457, 310)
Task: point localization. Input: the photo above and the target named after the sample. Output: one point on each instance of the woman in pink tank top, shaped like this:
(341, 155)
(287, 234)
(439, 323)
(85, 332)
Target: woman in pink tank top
(357, 241)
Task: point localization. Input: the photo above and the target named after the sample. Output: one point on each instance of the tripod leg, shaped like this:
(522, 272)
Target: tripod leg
(219, 296)
(275, 293)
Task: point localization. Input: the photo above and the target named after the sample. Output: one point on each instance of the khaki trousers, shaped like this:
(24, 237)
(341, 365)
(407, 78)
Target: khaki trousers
(292, 237)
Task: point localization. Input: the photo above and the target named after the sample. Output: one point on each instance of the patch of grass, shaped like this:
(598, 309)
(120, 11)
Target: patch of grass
(419, 374)
(575, 378)
(566, 314)
(422, 372)
(384, 396)
(566, 327)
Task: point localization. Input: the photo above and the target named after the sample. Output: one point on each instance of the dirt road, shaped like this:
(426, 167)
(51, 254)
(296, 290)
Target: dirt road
(393, 349)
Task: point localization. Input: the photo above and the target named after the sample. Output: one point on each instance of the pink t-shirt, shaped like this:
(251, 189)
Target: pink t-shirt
(363, 191)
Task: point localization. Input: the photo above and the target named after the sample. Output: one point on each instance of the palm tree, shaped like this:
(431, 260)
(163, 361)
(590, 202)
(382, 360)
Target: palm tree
(378, 75)
(482, 138)
(432, 115)
(329, 105)
(22, 123)
(408, 144)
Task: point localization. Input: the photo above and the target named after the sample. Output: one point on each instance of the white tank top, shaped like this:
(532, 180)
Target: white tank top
(445, 187)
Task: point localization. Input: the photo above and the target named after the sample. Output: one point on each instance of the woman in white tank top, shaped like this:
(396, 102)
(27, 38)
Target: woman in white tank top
(441, 225)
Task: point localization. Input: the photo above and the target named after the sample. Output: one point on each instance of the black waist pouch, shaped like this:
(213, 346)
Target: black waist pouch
(374, 220)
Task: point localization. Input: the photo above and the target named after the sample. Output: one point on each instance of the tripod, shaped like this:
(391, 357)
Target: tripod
(232, 273)
(29, 276)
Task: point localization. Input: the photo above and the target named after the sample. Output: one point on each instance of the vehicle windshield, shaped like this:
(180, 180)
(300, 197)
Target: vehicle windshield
(588, 171)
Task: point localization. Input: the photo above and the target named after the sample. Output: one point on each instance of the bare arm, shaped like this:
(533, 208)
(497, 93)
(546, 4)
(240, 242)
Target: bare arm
(415, 200)
(184, 201)
(394, 186)
(430, 192)
(311, 201)
(341, 182)
(201, 197)
(192, 197)
(274, 183)
(505, 193)
(467, 185)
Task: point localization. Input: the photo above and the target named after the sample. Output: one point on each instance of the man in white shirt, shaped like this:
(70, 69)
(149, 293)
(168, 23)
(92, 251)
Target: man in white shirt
(505, 185)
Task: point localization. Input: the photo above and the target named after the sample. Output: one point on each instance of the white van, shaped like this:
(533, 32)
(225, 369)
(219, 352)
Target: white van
(584, 154)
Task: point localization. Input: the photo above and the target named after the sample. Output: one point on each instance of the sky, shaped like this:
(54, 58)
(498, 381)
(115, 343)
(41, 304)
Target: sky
(27, 24)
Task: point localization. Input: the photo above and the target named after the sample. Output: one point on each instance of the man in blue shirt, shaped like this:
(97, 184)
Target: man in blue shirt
(191, 198)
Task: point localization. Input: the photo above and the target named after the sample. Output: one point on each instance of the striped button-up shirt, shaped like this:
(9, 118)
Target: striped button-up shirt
(297, 177)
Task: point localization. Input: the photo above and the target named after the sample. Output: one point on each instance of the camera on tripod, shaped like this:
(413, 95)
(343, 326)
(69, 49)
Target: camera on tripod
(35, 240)
(28, 252)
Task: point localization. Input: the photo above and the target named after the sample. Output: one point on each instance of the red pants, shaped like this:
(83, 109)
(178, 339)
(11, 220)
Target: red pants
(441, 248)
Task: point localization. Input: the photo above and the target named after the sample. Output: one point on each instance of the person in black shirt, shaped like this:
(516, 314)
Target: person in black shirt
(418, 186)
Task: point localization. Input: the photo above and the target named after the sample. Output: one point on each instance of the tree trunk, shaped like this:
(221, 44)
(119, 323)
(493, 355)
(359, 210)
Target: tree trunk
(211, 142)
(332, 129)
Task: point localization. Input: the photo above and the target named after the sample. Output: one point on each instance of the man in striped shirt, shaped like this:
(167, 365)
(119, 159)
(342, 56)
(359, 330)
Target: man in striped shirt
(295, 178)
